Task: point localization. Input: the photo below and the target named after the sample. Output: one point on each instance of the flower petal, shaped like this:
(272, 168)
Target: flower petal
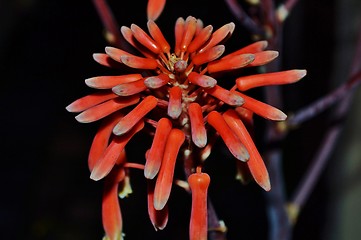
(255, 163)
(164, 181)
(129, 37)
(262, 109)
(189, 31)
(130, 88)
(202, 80)
(89, 101)
(134, 116)
(233, 143)
(209, 55)
(144, 39)
(106, 61)
(139, 62)
(219, 35)
(266, 79)
(252, 48)
(155, 82)
(107, 82)
(199, 26)
(105, 164)
(106, 108)
(230, 63)
(200, 39)
(175, 102)
(116, 53)
(155, 155)
(157, 35)
(101, 139)
(199, 134)
(229, 97)
(262, 58)
(111, 213)
(178, 31)
(155, 8)
(159, 218)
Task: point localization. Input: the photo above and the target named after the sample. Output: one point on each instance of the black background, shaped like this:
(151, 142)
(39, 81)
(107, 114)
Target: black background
(46, 51)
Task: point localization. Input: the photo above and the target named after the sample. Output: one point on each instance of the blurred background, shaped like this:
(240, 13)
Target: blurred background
(46, 49)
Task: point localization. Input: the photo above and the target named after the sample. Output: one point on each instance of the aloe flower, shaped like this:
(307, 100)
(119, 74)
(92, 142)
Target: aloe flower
(176, 94)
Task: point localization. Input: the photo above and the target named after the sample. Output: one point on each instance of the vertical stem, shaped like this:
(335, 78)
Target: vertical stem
(279, 224)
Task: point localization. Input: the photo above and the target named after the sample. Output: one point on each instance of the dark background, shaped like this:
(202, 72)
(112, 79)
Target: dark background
(46, 51)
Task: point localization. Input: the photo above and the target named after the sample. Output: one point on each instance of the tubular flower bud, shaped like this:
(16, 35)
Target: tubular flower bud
(198, 226)
(163, 185)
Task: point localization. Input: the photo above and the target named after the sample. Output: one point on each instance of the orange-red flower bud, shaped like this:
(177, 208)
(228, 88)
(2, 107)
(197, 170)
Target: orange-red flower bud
(189, 31)
(130, 88)
(209, 55)
(178, 31)
(226, 96)
(262, 109)
(155, 82)
(199, 134)
(155, 155)
(144, 39)
(233, 143)
(231, 63)
(111, 213)
(157, 35)
(112, 153)
(159, 218)
(202, 80)
(262, 58)
(175, 102)
(134, 116)
(252, 48)
(267, 79)
(107, 82)
(255, 162)
(198, 226)
(89, 101)
(104, 109)
(164, 182)
(219, 35)
(200, 39)
(101, 139)
(155, 8)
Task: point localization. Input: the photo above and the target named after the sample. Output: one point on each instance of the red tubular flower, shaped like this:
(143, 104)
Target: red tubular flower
(159, 218)
(165, 178)
(101, 139)
(155, 154)
(255, 163)
(177, 95)
(111, 214)
(111, 154)
(199, 134)
(155, 8)
(198, 225)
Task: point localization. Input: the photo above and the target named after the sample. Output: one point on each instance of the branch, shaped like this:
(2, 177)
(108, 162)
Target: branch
(279, 225)
(243, 18)
(314, 170)
(328, 144)
(112, 33)
(322, 104)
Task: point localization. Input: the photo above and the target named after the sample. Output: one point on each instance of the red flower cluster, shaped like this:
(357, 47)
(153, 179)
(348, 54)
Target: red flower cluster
(176, 95)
